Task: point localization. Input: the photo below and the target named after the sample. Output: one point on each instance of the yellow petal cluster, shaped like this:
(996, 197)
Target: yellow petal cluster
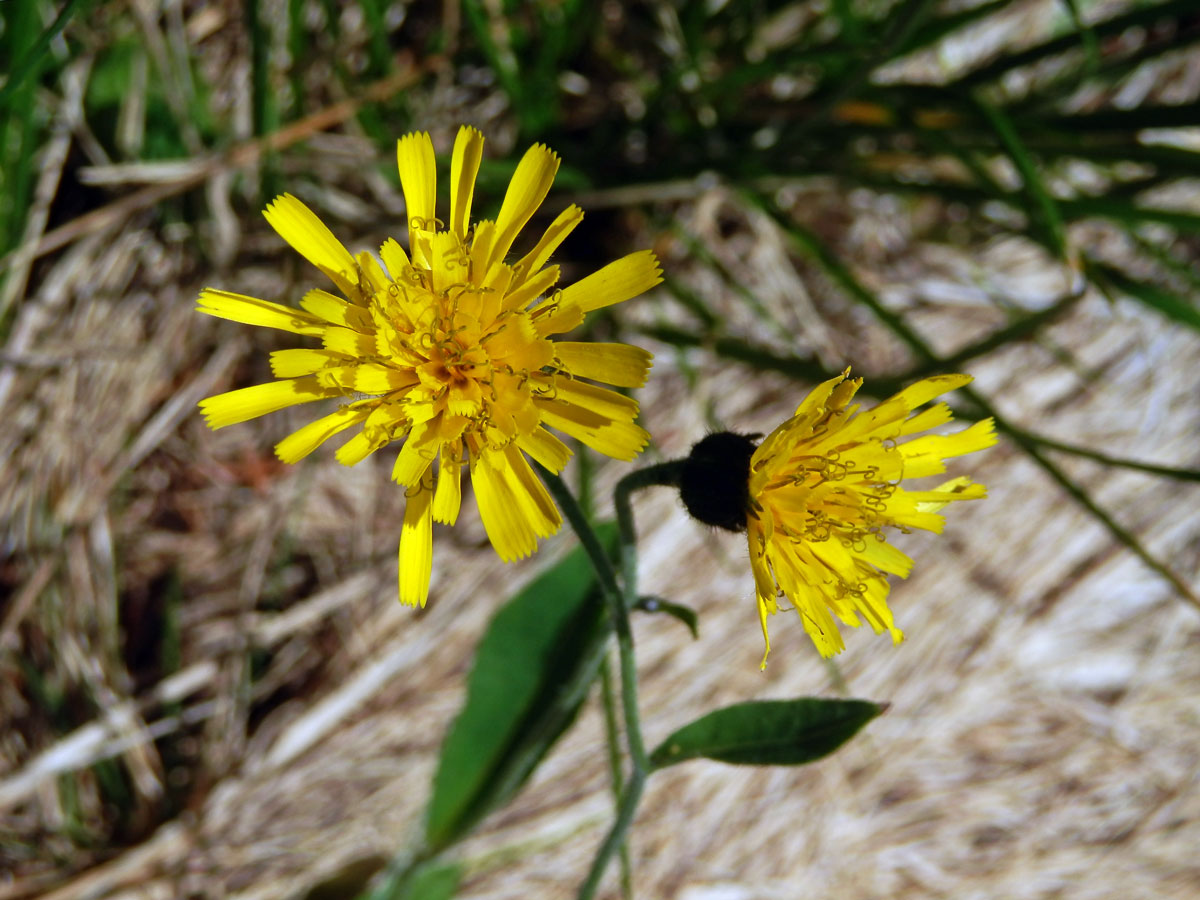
(447, 348)
(824, 485)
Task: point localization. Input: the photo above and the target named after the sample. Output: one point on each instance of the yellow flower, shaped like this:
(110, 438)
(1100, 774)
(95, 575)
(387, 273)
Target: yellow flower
(447, 348)
(826, 482)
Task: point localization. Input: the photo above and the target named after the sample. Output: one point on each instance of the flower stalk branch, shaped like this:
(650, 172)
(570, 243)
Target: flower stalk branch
(620, 598)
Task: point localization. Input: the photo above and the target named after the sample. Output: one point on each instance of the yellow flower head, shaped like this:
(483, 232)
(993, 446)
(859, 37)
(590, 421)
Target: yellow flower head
(826, 482)
(447, 348)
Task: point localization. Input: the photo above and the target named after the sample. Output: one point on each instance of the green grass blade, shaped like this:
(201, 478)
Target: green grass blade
(1162, 301)
(1087, 37)
(33, 51)
(1048, 216)
(811, 246)
(1139, 17)
(1129, 214)
(937, 28)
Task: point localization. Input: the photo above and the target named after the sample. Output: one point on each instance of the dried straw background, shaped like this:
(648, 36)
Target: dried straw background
(1042, 737)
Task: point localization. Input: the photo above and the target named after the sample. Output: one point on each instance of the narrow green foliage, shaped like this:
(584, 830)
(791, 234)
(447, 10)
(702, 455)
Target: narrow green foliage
(1140, 16)
(768, 732)
(378, 52)
(19, 130)
(807, 242)
(433, 880)
(261, 96)
(1129, 214)
(1048, 218)
(1086, 35)
(692, 302)
(759, 357)
(26, 54)
(1162, 301)
(299, 44)
(531, 672)
(937, 28)
(684, 614)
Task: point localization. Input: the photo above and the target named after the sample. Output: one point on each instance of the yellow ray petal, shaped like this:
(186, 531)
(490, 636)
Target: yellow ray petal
(531, 263)
(887, 418)
(517, 345)
(498, 278)
(885, 557)
(300, 227)
(337, 311)
(464, 166)
(372, 274)
(762, 618)
(620, 364)
(556, 317)
(395, 259)
(620, 440)
(532, 498)
(464, 398)
(418, 180)
(417, 455)
(448, 499)
(349, 342)
(544, 447)
(938, 414)
(251, 402)
(528, 188)
(359, 447)
(509, 532)
(416, 547)
(927, 388)
(448, 260)
(818, 396)
(923, 456)
(366, 378)
(960, 488)
(294, 362)
(618, 281)
(610, 404)
(304, 441)
(531, 289)
(252, 311)
(481, 249)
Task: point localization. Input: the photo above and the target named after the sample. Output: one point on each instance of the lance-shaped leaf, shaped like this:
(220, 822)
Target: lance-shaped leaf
(768, 732)
(532, 671)
(434, 880)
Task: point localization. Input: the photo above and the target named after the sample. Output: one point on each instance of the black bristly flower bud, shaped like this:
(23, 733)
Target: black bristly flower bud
(714, 484)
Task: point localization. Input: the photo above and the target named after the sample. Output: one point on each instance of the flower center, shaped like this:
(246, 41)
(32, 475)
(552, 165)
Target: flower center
(474, 361)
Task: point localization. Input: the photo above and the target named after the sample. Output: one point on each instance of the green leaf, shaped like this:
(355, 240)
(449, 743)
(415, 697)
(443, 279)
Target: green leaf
(432, 880)
(532, 671)
(684, 614)
(768, 732)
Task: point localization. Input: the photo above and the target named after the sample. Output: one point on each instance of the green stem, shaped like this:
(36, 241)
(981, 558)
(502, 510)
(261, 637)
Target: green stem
(615, 838)
(587, 537)
(667, 475)
(620, 599)
(613, 738)
(1024, 436)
